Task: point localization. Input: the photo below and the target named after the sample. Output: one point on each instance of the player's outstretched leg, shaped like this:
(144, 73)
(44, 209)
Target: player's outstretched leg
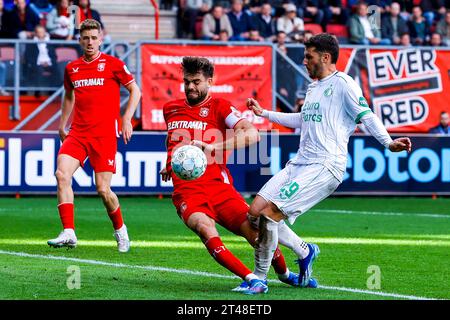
(248, 230)
(111, 203)
(306, 264)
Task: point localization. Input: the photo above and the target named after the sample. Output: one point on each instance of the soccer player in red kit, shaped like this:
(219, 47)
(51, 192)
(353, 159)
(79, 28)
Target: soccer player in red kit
(92, 85)
(210, 199)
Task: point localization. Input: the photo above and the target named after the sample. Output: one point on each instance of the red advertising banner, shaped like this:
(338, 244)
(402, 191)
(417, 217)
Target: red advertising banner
(241, 72)
(407, 89)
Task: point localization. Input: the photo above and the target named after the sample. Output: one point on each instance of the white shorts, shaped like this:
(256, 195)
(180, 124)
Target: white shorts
(297, 188)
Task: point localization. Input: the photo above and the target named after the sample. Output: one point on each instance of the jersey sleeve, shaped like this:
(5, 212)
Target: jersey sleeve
(67, 83)
(355, 104)
(121, 72)
(229, 114)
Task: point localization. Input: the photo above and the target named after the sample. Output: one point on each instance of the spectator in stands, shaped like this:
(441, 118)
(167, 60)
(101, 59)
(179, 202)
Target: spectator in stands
(383, 5)
(195, 9)
(432, 10)
(214, 23)
(265, 23)
(281, 41)
(241, 22)
(3, 16)
(392, 25)
(443, 28)
(253, 35)
(290, 24)
(3, 92)
(307, 35)
(418, 27)
(41, 7)
(40, 59)
(21, 21)
(362, 31)
(436, 40)
(224, 36)
(442, 127)
(405, 40)
(255, 6)
(60, 24)
(310, 9)
(86, 12)
(333, 11)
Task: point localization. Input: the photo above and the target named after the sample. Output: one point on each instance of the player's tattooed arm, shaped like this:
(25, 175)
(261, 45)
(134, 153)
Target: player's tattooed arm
(66, 110)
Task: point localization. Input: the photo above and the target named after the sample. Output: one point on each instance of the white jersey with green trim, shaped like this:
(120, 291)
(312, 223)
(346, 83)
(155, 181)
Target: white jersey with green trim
(333, 107)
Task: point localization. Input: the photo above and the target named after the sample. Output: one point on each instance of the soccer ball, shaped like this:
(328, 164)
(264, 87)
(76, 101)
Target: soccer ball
(189, 162)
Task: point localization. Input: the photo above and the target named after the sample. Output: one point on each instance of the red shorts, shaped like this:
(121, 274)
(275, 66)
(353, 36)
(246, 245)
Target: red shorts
(220, 201)
(101, 151)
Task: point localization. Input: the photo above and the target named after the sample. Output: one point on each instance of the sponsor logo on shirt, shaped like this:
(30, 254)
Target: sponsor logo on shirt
(88, 82)
(75, 70)
(311, 112)
(198, 125)
(363, 102)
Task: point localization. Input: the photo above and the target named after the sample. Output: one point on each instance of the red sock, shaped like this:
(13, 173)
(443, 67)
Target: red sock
(66, 214)
(116, 218)
(278, 262)
(224, 257)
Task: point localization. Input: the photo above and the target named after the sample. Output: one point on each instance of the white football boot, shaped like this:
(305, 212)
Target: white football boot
(123, 242)
(66, 238)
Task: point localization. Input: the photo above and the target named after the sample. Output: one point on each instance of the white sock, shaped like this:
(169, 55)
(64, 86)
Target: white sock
(291, 240)
(265, 246)
(284, 276)
(250, 277)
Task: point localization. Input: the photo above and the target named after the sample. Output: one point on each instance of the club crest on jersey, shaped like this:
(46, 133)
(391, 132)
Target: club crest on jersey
(328, 92)
(101, 66)
(204, 112)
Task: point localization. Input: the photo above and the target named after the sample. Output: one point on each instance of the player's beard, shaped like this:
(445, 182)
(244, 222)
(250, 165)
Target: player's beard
(200, 97)
(315, 71)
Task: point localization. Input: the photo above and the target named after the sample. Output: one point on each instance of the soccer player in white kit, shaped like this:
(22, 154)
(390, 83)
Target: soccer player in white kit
(334, 105)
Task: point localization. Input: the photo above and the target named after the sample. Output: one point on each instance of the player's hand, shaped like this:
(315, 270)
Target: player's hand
(127, 130)
(400, 144)
(253, 105)
(206, 147)
(165, 175)
(62, 134)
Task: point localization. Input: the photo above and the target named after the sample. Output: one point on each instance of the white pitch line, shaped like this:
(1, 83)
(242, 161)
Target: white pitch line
(199, 273)
(381, 213)
(372, 213)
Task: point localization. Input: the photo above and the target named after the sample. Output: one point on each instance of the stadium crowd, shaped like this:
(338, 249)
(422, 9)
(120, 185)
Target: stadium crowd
(403, 22)
(40, 20)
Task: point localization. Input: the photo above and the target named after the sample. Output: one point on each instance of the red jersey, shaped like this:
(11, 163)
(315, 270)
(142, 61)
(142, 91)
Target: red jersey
(208, 122)
(96, 85)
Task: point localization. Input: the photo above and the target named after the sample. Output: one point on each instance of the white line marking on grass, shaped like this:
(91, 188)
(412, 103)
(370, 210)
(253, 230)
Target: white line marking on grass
(382, 213)
(193, 243)
(198, 273)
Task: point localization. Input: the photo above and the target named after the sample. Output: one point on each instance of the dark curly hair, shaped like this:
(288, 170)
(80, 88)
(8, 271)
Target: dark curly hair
(194, 65)
(324, 42)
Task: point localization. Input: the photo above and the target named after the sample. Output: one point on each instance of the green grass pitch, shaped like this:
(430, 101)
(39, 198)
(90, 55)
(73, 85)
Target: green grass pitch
(406, 239)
